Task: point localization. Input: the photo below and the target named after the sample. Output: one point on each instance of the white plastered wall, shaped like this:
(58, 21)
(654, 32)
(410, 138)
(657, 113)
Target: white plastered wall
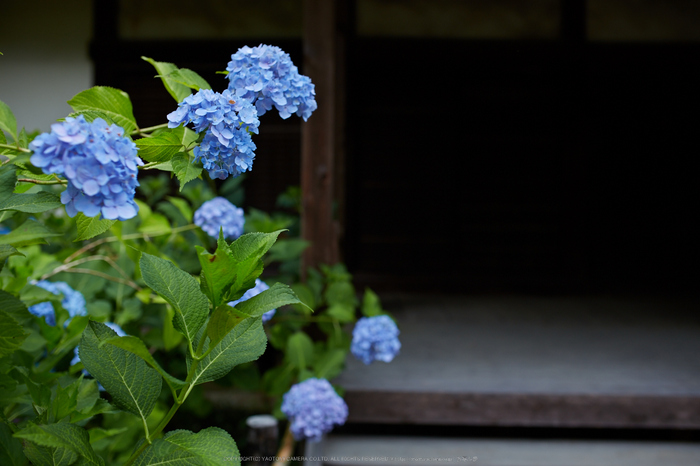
(45, 58)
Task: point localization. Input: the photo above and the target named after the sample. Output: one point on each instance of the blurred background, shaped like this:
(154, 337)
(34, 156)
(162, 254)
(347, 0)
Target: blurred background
(526, 169)
(485, 146)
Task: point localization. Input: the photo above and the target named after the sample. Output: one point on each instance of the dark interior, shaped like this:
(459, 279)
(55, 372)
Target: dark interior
(545, 166)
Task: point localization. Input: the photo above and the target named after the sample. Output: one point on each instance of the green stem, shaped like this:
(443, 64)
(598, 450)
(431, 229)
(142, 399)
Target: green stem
(17, 148)
(150, 129)
(112, 239)
(31, 180)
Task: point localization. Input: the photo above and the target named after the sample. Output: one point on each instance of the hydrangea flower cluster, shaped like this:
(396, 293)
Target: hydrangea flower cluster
(217, 213)
(265, 75)
(4, 230)
(259, 287)
(76, 351)
(73, 302)
(227, 148)
(375, 338)
(313, 408)
(99, 162)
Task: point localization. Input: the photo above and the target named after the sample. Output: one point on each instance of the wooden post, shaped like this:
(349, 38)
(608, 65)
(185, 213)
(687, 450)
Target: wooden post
(319, 135)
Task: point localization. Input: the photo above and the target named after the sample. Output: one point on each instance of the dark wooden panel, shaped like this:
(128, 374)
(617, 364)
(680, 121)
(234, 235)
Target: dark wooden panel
(532, 410)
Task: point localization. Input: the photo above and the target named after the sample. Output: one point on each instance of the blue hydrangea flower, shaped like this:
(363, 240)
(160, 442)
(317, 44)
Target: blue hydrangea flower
(4, 230)
(259, 287)
(265, 75)
(219, 212)
(375, 338)
(99, 162)
(76, 351)
(313, 408)
(73, 302)
(228, 121)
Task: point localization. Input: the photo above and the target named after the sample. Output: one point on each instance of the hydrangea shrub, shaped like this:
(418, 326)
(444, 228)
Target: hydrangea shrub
(139, 282)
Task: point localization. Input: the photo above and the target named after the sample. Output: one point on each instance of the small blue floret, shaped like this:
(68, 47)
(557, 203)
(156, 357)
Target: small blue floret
(73, 302)
(313, 408)
(375, 339)
(217, 213)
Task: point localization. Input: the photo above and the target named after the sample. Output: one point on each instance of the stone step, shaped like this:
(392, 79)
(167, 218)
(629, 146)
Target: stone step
(396, 450)
(580, 362)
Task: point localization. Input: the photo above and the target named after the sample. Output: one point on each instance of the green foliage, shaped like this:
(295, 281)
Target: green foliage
(31, 203)
(156, 277)
(11, 334)
(163, 146)
(63, 436)
(180, 290)
(104, 102)
(134, 386)
(172, 80)
(89, 227)
(8, 123)
(185, 169)
(209, 447)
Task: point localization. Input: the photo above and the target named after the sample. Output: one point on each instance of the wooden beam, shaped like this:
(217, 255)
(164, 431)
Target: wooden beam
(319, 140)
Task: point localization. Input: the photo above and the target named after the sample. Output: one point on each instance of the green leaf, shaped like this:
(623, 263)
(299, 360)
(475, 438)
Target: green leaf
(246, 342)
(89, 227)
(8, 180)
(180, 290)
(65, 401)
(112, 102)
(49, 456)
(219, 271)
(209, 447)
(134, 386)
(171, 337)
(98, 433)
(154, 224)
(288, 249)
(161, 147)
(341, 311)
(247, 251)
(182, 206)
(136, 346)
(300, 350)
(330, 364)
(175, 89)
(184, 169)
(11, 334)
(341, 292)
(306, 296)
(30, 232)
(222, 321)
(278, 380)
(370, 304)
(31, 203)
(8, 123)
(63, 435)
(10, 448)
(225, 318)
(6, 251)
(188, 78)
(278, 295)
